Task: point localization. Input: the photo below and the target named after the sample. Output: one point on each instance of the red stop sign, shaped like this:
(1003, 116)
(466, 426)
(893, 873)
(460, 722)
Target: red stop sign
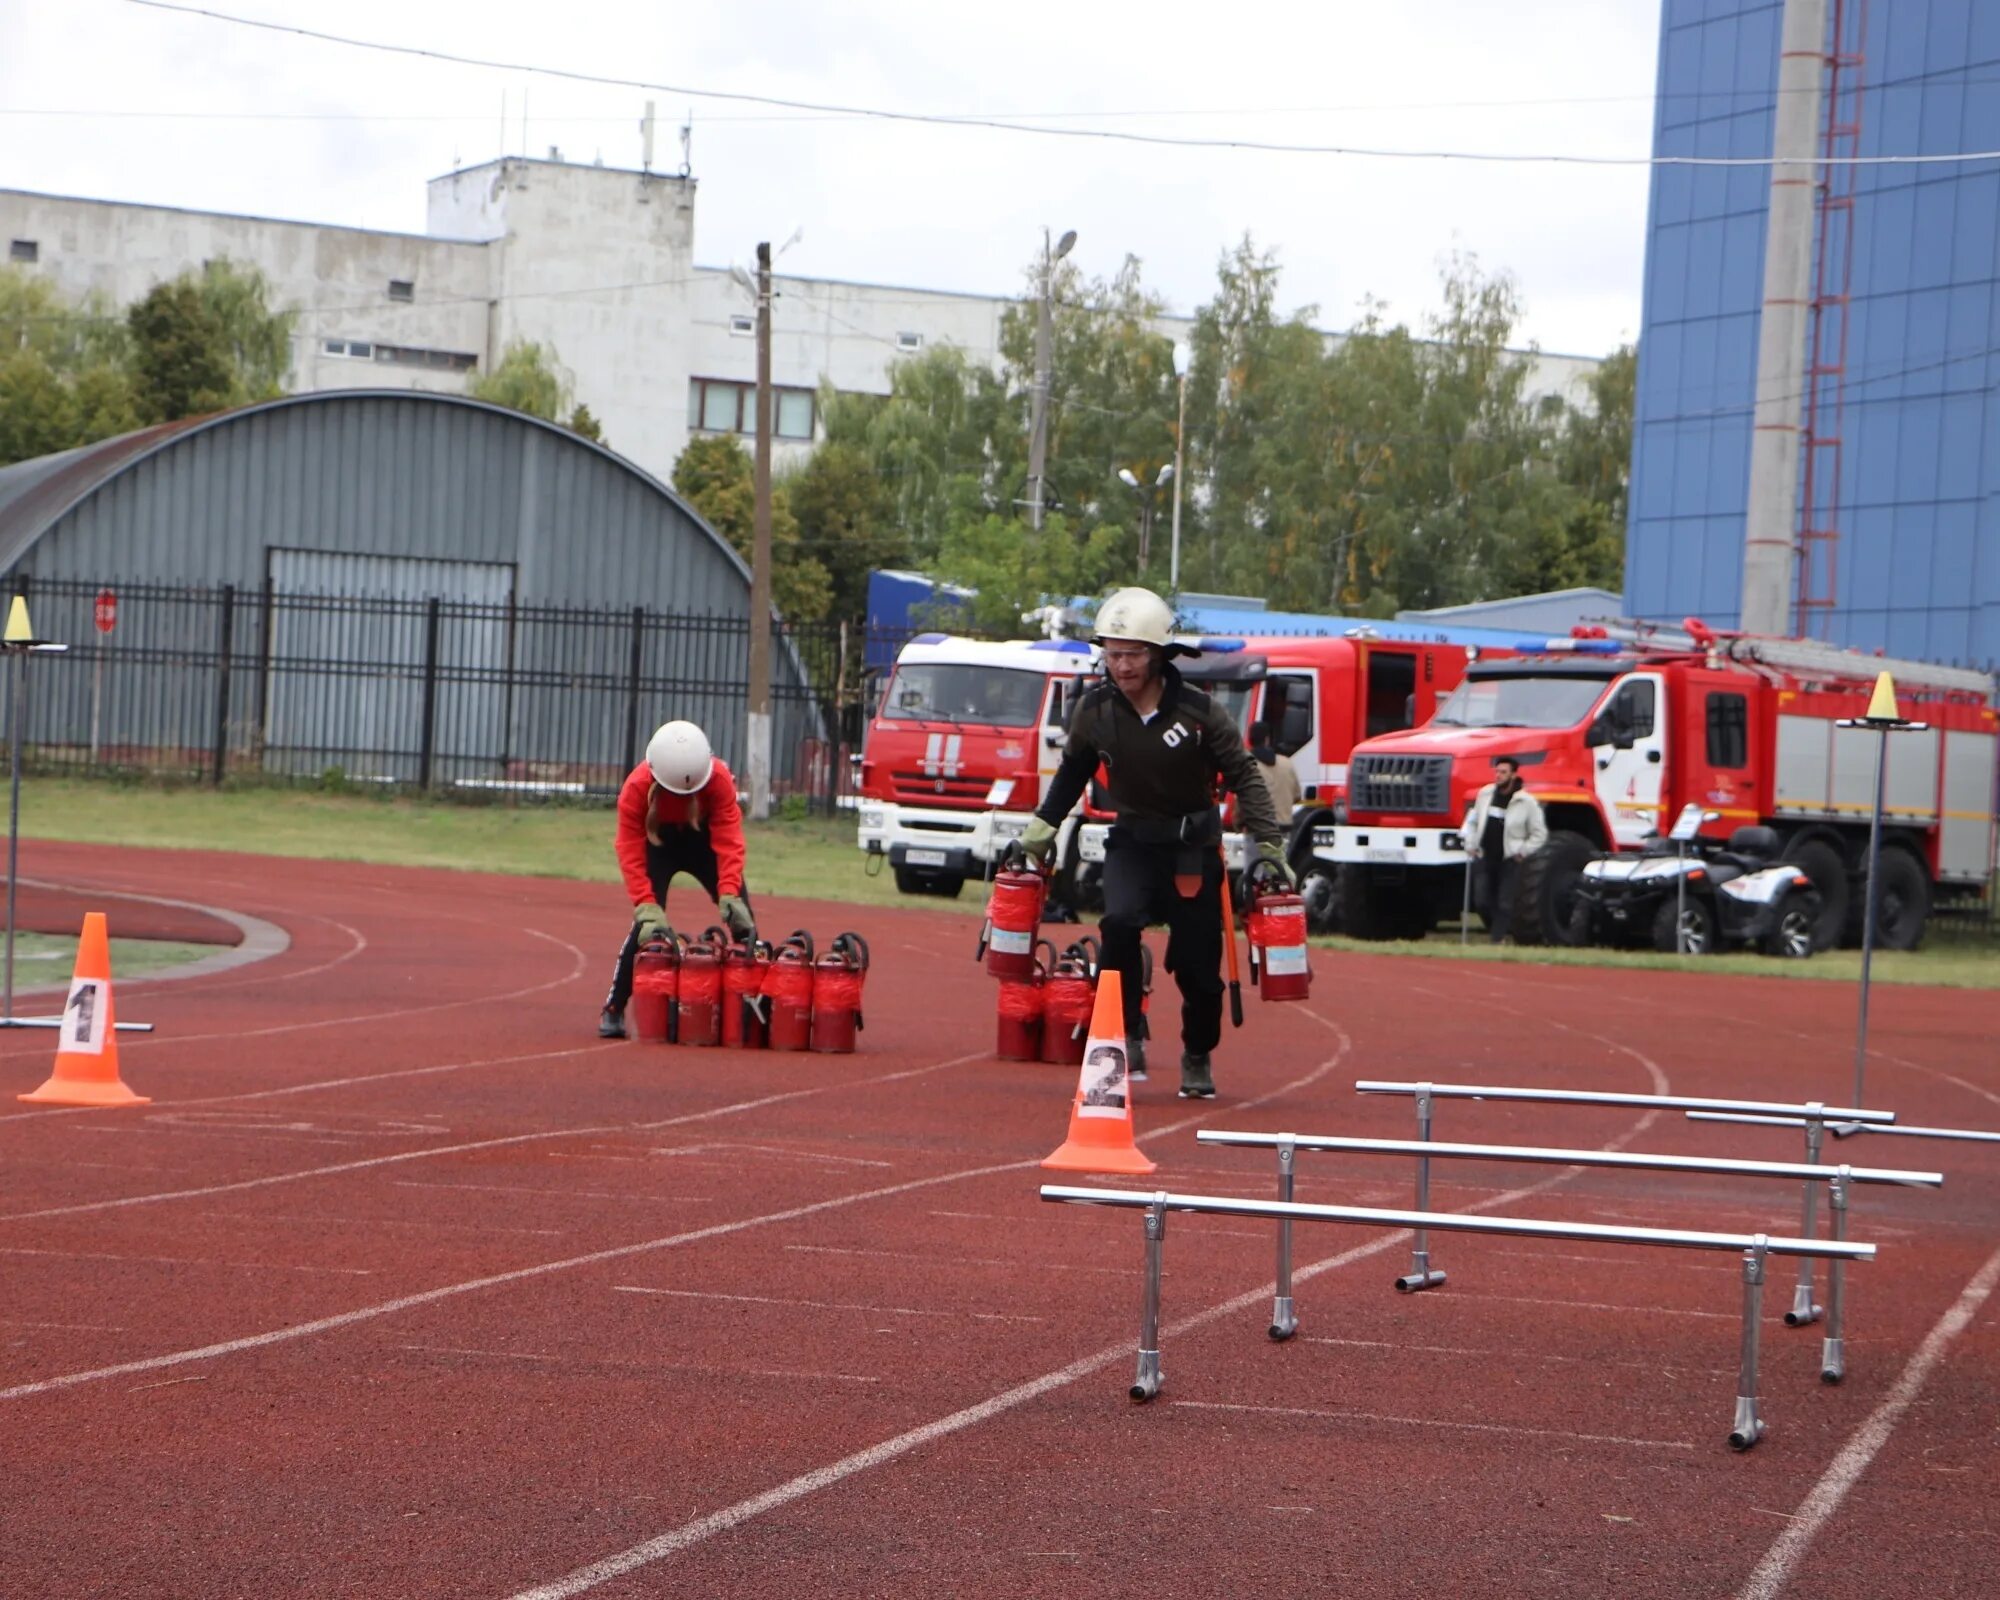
(105, 612)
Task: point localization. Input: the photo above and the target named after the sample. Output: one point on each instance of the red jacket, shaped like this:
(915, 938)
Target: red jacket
(645, 810)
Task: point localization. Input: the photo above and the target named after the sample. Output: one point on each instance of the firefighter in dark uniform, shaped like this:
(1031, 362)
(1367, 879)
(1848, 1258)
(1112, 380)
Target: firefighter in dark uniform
(1163, 744)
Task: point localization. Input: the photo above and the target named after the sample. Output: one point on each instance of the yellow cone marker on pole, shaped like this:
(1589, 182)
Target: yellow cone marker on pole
(19, 631)
(1881, 704)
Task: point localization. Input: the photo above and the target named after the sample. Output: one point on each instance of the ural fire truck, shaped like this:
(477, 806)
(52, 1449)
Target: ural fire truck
(1615, 735)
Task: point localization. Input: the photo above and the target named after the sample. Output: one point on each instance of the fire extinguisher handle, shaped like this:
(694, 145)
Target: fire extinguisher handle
(979, 950)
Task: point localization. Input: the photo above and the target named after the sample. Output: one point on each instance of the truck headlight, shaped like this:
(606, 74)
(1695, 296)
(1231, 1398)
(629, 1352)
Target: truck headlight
(1451, 841)
(871, 819)
(1010, 827)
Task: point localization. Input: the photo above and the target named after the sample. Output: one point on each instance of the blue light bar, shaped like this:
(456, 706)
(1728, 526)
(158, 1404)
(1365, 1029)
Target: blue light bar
(930, 638)
(1580, 647)
(1219, 646)
(1068, 647)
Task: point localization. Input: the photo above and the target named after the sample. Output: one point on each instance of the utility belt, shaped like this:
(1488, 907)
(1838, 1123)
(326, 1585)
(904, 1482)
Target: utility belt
(1192, 838)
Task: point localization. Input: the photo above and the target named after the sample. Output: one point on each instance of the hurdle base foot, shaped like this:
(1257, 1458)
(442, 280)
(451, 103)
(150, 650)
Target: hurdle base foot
(1803, 1312)
(1284, 1322)
(1411, 1282)
(1146, 1383)
(1749, 1427)
(1832, 1361)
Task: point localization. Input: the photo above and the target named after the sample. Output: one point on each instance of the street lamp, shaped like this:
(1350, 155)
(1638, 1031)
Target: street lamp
(1146, 492)
(1038, 426)
(1182, 357)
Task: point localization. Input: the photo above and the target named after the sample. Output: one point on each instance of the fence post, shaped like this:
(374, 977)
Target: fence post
(432, 607)
(225, 641)
(632, 687)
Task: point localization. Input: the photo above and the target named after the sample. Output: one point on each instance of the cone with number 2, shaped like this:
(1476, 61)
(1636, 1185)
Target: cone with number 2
(1100, 1117)
(87, 1049)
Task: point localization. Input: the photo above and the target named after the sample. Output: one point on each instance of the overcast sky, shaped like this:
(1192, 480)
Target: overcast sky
(107, 99)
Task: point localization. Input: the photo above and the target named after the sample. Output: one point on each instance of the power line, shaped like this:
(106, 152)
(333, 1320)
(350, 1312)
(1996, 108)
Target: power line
(1004, 125)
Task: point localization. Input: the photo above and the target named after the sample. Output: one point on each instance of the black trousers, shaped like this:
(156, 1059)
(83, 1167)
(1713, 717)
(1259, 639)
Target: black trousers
(1499, 884)
(1139, 892)
(688, 850)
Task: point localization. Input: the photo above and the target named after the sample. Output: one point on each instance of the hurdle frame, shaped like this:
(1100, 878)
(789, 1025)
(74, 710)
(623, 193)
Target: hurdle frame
(1747, 1426)
(1813, 1115)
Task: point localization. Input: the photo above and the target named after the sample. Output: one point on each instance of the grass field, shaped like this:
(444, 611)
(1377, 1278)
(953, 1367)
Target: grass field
(811, 858)
(47, 958)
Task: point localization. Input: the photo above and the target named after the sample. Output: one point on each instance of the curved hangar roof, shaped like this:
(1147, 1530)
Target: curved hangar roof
(372, 473)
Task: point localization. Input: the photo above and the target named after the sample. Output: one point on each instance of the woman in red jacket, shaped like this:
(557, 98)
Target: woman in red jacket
(676, 813)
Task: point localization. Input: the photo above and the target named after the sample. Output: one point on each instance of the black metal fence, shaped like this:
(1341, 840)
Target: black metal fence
(434, 694)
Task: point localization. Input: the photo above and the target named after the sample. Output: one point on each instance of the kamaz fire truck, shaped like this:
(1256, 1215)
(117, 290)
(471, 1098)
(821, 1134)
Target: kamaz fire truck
(1616, 734)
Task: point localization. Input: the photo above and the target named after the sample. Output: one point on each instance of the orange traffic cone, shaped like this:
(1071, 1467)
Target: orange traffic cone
(87, 1049)
(1100, 1118)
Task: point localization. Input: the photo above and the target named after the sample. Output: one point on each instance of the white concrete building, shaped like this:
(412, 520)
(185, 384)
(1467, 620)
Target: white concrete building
(596, 262)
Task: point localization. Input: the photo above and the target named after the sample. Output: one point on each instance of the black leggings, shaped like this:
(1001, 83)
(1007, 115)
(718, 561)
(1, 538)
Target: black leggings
(1139, 891)
(688, 850)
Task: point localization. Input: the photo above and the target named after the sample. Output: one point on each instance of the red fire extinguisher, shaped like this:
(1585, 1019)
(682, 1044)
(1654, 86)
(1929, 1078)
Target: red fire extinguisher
(1068, 996)
(700, 1008)
(656, 987)
(788, 993)
(1013, 916)
(1021, 1004)
(1280, 963)
(745, 1018)
(836, 1003)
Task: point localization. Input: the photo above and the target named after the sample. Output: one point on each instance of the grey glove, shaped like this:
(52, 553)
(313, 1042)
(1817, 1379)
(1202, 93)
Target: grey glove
(1039, 842)
(736, 912)
(650, 921)
(1273, 851)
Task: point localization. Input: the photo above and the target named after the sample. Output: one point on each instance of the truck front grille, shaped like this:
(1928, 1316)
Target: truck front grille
(1406, 785)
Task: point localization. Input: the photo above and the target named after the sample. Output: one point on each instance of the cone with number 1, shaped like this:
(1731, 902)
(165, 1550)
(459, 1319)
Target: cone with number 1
(1100, 1117)
(87, 1042)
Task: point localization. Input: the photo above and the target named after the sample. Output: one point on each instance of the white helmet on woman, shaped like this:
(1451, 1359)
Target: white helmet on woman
(680, 758)
(1140, 616)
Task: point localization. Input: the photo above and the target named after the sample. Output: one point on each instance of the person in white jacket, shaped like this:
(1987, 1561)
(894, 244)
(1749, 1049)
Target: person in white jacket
(1504, 827)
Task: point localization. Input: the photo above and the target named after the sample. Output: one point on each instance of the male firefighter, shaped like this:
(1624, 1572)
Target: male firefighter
(1162, 745)
(676, 813)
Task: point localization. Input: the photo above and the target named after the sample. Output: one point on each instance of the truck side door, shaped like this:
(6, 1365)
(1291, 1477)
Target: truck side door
(1628, 740)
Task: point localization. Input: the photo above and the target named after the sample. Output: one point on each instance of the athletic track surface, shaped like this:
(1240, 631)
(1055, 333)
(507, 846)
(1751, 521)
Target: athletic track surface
(405, 1285)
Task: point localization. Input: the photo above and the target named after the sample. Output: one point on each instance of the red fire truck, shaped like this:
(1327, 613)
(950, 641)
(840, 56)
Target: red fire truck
(1615, 735)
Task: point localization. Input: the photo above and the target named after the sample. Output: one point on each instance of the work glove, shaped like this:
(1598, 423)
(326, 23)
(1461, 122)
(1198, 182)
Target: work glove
(1039, 842)
(650, 921)
(1273, 851)
(736, 912)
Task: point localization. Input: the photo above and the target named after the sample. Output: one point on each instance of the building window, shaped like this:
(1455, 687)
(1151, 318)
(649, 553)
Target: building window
(716, 405)
(1728, 730)
(907, 342)
(403, 355)
(402, 289)
(29, 250)
(743, 327)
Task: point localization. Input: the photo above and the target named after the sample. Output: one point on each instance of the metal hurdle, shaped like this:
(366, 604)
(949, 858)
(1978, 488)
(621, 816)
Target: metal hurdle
(1746, 1428)
(1846, 1130)
(1813, 1116)
(1833, 1362)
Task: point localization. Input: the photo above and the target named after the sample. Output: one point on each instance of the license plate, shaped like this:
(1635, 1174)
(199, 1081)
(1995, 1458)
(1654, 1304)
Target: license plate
(924, 858)
(1380, 854)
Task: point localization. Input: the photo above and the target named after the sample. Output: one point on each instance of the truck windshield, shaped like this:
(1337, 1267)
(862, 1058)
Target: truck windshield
(1519, 703)
(1003, 697)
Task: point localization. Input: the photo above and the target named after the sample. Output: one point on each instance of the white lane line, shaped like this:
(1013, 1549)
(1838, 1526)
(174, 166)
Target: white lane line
(1782, 1559)
(807, 1483)
(649, 1366)
(932, 1260)
(66, 1327)
(560, 1194)
(1509, 1354)
(1586, 1305)
(182, 1261)
(821, 1305)
(478, 1144)
(728, 1148)
(1439, 1422)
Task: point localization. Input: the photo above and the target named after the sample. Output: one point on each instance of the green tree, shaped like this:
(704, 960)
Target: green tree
(840, 507)
(715, 476)
(63, 382)
(259, 339)
(180, 360)
(529, 378)
(583, 423)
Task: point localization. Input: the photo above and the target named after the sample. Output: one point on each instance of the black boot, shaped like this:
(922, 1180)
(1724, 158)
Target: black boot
(1197, 1082)
(611, 1025)
(1135, 1059)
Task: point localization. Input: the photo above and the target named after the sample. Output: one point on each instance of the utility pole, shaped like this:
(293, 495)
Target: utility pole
(1038, 427)
(1769, 531)
(1181, 357)
(760, 560)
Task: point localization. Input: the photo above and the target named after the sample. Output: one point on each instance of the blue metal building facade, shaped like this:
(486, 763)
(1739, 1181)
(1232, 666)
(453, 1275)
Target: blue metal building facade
(1919, 489)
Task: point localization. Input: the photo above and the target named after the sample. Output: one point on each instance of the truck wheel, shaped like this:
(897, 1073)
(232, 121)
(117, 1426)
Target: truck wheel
(1820, 862)
(1410, 916)
(1696, 929)
(1547, 888)
(1902, 901)
(1357, 910)
(1316, 889)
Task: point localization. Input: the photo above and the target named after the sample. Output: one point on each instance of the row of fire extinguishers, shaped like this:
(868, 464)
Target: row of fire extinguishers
(750, 994)
(1046, 997)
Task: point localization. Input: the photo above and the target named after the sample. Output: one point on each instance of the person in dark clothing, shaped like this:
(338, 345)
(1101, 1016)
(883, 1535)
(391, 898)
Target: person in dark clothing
(1502, 829)
(1163, 745)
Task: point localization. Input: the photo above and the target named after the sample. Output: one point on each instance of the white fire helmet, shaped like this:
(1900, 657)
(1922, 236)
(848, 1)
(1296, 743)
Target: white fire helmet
(680, 758)
(1138, 615)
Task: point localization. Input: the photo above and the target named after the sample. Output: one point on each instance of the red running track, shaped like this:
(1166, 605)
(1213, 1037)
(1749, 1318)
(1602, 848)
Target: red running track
(406, 1285)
